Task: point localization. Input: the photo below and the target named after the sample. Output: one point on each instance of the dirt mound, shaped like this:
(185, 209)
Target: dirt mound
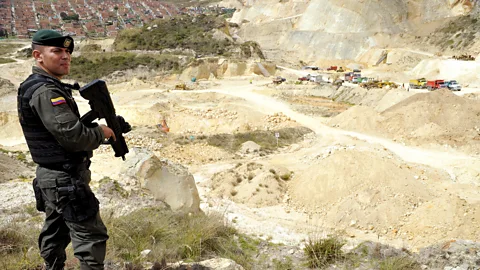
(12, 167)
(438, 117)
(6, 87)
(375, 191)
(252, 184)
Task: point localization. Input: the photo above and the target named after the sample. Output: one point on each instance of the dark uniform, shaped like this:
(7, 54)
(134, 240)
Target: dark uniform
(61, 145)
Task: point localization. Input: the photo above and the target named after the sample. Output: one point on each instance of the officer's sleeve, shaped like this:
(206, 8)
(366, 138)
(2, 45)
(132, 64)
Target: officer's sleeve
(59, 119)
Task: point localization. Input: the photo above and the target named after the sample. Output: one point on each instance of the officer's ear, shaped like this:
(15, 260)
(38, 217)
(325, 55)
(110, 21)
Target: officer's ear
(37, 52)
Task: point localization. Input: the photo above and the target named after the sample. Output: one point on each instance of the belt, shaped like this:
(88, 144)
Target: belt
(67, 167)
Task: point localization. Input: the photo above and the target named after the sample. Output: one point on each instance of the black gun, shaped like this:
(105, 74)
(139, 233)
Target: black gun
(96, 92)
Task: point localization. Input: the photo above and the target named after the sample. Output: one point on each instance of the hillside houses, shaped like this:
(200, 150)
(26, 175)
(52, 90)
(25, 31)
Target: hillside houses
(80, 18)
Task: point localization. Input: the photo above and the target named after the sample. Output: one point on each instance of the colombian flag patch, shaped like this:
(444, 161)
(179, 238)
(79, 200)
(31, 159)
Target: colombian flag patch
(58, 101)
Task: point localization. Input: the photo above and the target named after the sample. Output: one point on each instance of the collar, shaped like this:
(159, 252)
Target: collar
(39, 70)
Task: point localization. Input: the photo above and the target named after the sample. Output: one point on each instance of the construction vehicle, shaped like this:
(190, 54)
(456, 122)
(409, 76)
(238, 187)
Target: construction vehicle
(181, 86)
(378, 84)
(434, 85)
(278, 80)
(340, 69)
(418, 83)
(464, 57)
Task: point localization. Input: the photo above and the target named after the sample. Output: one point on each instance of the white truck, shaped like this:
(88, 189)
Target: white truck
(453, 85)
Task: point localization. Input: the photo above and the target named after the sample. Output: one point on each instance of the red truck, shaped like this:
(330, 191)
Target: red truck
(434, 85)
(332, 68)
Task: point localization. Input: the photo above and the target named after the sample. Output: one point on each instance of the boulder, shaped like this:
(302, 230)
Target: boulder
(169, 182)
(249, 147)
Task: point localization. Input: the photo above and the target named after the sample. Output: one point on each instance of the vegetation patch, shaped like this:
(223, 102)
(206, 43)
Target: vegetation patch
(6, 60)
(399, 263)
(185, 33)
(462, 28)
(87, 69)
(174, 237)
(7, 47)
(179, 32)
(323, 252)
(19, 247)
(266, 139)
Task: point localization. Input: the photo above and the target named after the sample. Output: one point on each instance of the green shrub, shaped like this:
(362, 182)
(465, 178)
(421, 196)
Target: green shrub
(399, 263)
(322, 252)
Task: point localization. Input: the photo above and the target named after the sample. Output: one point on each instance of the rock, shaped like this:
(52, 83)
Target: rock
(216, 263)
(167, 181)
(249, 147)
(145, 253)
(221, 264)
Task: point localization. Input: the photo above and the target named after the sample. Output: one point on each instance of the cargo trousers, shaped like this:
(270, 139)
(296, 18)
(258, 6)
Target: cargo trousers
(72, 215)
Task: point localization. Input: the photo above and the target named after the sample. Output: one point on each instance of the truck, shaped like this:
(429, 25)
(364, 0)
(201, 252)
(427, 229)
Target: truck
(334, 68)
(418, 83)
(453, 85)
(434, 85)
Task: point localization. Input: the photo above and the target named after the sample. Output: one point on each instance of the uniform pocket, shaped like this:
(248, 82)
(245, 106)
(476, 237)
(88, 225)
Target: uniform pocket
(83, 206)
(40, 203)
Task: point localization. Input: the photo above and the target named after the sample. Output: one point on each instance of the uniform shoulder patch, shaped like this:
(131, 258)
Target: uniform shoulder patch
(58, 101)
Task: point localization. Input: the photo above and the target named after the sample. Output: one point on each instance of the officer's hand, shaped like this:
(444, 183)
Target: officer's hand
(124, 125)
(108, 132)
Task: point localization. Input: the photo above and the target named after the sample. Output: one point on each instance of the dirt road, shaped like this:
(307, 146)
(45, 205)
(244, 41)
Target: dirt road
(447, 160)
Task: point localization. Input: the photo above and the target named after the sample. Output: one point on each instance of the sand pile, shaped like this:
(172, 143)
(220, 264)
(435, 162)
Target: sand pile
(252, 184)
(438, 117)
(378, 193)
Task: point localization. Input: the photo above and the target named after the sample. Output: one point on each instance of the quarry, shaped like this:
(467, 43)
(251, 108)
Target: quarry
(392, 169)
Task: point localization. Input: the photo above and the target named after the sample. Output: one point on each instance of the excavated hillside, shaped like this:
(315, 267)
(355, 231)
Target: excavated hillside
(324, 30)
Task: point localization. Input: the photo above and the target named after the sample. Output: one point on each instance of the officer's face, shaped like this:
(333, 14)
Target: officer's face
(54, 60)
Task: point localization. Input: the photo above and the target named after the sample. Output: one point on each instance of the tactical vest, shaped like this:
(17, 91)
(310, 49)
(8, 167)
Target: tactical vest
(43, 146)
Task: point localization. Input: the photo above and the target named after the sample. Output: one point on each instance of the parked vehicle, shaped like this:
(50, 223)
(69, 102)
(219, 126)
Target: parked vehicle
(418, 83)
(332, 68)
(434, 85)
(310, 67)
(358, 79)
(340, 69)
(453, 85)
(278, 80)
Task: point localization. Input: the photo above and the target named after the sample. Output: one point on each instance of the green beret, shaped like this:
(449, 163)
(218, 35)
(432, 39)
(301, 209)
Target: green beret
(47, 37)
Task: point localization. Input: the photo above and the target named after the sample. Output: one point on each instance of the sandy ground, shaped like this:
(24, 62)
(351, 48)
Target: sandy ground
(344, 178)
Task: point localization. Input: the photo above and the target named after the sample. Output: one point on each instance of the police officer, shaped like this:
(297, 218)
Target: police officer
(61, 145)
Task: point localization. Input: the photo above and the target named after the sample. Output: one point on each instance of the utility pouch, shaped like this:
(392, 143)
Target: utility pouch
(82, 203)
(40, 203)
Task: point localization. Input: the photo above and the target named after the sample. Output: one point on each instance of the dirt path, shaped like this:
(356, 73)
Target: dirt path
(447, 160)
